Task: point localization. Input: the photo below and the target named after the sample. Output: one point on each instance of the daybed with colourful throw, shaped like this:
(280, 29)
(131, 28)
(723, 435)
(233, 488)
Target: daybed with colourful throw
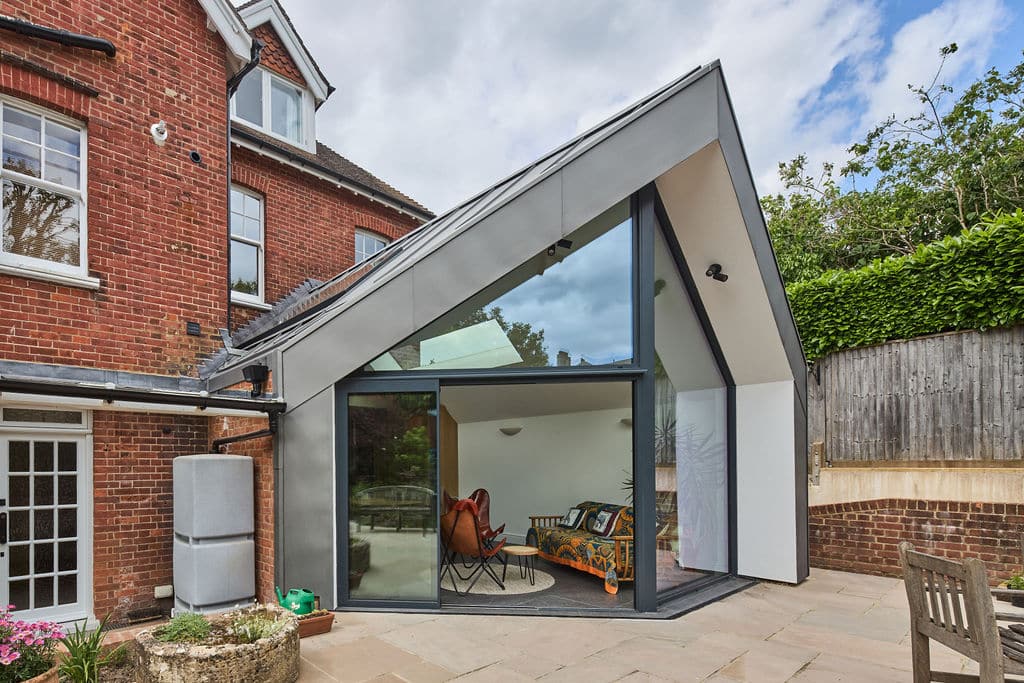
(596, 538)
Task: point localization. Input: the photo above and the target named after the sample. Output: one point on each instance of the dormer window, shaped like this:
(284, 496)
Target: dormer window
(275, 105)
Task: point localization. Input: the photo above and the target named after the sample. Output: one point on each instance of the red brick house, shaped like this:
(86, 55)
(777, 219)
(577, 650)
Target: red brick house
(162, 184)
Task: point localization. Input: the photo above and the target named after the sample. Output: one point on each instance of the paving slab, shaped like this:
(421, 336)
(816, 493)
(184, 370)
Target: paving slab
(834, 627)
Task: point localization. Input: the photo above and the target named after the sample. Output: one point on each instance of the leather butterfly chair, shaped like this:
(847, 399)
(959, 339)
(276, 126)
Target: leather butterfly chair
(447, 501)
(461, 536)
(483, 504)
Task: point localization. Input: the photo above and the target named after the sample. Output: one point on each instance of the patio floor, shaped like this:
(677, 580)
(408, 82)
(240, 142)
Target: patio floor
(834, 627)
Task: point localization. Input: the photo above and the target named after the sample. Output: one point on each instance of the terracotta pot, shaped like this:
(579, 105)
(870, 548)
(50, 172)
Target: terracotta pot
(312, 626)
(45, 677)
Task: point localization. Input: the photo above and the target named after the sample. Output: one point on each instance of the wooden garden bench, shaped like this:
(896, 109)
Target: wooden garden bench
(950, 603)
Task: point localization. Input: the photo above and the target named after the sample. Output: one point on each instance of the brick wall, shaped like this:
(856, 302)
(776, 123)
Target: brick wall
(262, 453)
(133, 513)
(154, 217)
(864, 536)
(328, 217)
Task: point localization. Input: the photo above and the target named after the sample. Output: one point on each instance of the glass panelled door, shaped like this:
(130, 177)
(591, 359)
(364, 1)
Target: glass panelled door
(390, 488)
(43, 525)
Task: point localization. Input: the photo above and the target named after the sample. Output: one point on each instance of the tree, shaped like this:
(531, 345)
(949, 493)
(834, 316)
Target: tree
(529, 343)
(931, 175)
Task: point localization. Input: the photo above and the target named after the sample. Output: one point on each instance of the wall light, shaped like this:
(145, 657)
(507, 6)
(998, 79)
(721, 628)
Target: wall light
(510, 431)
(626, 422)
(714, 272)
(257, 376)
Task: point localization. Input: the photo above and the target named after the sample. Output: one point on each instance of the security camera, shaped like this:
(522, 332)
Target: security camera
(714, 272)
(159, 132)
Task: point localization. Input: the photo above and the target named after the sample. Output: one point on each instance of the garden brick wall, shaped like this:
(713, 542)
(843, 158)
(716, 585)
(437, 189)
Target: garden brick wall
(133, 512)
(262, 453)
(864, 536)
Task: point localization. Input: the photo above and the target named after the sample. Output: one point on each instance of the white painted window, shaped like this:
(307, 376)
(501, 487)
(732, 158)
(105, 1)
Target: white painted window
(275, 105)
(368, 244)
(246, 246)
(44, 204)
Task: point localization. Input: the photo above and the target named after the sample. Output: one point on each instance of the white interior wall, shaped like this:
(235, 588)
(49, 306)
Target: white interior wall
(765, 482)
(555, 462)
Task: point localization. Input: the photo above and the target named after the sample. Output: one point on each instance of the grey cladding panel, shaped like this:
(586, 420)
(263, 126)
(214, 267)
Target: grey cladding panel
(307, 495)
(641, 151)
(349, 341)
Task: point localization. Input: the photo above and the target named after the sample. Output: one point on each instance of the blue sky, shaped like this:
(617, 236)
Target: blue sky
(441, 99)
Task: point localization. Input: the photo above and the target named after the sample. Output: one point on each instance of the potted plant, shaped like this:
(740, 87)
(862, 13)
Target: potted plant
(358, 560)
(28, 650)
(1014, 583)
(316, 622)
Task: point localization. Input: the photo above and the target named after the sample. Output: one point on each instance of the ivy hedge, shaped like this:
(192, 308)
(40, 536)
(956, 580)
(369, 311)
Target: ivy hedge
(974, 280)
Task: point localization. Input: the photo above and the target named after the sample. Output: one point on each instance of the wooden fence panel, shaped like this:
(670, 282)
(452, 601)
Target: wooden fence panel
(949, 397)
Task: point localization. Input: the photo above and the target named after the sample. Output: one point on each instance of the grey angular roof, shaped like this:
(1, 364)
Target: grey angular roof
(327, 299)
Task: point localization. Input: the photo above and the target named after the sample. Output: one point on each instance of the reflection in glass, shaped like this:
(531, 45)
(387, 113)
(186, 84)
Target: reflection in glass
(19, 491)
(44, 592)
(18, 456)
(18, 594)
(245, 268)
(67, 489)
(43, 527)
(43, 456)
(571, 304)
(284, 109)
(689, 435)
(43, 489)
(392, 454)
(249, 98)
(67, 524)
(67, 589)
(40, 224)
(43, 560)
(67, 556)
(19, 525)
(19, 560)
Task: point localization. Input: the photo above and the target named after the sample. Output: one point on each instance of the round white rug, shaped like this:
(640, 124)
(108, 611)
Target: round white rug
(514, 583)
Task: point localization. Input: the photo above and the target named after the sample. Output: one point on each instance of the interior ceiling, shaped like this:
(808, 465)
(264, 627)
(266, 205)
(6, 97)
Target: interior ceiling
(701, 204)
(513, 401)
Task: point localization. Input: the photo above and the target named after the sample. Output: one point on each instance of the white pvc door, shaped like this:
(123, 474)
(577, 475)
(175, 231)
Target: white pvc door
(44, 525)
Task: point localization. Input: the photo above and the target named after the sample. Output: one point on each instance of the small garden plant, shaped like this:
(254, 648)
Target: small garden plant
(249, 628)
(1016, 582)
(184, 628)
(27, 649)
(84, 657)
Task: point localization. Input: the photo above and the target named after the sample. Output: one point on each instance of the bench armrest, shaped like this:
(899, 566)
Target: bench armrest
(544, 520)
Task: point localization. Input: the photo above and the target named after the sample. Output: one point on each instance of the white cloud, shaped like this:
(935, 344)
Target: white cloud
(441, 99)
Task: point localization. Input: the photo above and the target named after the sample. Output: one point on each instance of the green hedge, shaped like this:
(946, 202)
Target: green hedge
(972, 281)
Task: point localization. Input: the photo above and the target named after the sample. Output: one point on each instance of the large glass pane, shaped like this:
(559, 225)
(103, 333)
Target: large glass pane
(691, 465)
(571, 304)
(245, 268)
(285, 109)
(249, 98)
(40, 224)
(392, 456)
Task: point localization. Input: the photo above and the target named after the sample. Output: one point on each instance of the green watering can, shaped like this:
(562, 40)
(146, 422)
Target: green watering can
(298, 600)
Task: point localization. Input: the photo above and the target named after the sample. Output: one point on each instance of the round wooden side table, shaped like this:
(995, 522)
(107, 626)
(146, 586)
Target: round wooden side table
(527, 558)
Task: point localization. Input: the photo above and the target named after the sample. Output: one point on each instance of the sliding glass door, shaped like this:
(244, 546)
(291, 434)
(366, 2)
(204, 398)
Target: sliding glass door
(388, 549)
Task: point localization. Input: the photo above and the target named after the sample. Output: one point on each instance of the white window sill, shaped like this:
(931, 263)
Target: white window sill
(82, 281)
(248, 303)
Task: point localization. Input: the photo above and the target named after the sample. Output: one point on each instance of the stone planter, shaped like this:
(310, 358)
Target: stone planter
(45, 677)
(270, 660)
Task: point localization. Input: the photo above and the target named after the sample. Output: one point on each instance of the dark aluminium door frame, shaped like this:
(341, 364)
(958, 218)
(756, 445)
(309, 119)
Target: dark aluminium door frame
(647, 212)
(342, 390)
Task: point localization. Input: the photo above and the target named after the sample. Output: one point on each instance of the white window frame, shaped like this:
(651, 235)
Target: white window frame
(41, 269)
(242, 297)
(82, 433)
(307, 113)
(374, 236)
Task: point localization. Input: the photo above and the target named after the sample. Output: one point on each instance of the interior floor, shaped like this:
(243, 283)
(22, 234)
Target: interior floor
(573, 589)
